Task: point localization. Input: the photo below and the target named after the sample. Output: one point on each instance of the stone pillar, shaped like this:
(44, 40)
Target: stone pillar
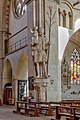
(51, 32)
(39, 13)
(53, 89)
(2, 37)
(1, 63)
(34, 14)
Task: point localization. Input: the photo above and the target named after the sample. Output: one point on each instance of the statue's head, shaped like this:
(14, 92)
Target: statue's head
(41, 31)
(35, 28)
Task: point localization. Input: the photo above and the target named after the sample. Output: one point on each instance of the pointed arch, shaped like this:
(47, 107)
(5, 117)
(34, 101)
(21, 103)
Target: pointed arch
(7, 72)
(66, 14)
(22, 67)
(73, 42)
(21, 75)
(72, 53)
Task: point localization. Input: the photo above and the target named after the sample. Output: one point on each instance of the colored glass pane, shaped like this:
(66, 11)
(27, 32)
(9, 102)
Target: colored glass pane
(75, 67)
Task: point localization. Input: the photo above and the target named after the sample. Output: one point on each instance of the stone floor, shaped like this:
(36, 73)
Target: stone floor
(6, 113)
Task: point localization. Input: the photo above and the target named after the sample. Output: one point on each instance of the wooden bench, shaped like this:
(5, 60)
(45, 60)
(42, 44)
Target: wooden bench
(27, 108)
(19, 106)
(35, 108)
(71, 102)
(70, 115)
(45, 108)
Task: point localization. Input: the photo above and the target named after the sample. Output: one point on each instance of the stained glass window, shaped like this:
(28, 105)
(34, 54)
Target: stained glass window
(75, 67)
(20, 7)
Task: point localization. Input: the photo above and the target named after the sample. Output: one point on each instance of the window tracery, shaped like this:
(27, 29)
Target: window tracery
(75, 67)
(20, 7)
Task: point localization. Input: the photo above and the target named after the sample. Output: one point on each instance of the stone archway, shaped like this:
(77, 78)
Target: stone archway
(7, 83)
(73, 43)
(21, 73)
(7, 73)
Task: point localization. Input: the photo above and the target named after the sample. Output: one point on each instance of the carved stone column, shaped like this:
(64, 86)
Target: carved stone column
(51, 32)
(39, 13)
(34, 14)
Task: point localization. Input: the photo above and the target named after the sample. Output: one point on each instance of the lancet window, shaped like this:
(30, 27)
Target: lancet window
(75, 67)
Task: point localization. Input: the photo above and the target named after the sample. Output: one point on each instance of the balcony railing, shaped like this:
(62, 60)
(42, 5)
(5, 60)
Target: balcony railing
(17, 46)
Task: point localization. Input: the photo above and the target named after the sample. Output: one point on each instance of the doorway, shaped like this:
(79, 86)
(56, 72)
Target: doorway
(7, 96)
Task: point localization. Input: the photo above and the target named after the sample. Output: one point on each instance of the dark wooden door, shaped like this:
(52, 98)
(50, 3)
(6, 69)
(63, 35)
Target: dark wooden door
(7, 96)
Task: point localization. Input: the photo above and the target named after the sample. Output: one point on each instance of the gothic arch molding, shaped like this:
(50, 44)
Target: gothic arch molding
(66, 14)
(68, 4)
(22, 67)
(21, 72)
(73, 42)
(7, 72)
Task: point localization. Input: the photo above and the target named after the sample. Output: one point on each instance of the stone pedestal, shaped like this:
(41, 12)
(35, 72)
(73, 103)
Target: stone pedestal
(41, 88)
